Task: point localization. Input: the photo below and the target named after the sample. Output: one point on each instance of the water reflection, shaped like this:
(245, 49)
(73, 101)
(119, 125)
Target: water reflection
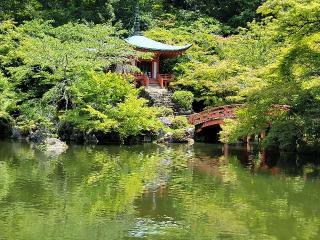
(158, 192)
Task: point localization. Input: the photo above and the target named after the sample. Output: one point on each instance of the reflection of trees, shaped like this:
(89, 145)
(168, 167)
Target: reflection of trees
(83, 193)
(98, 193)
(237, 203)
(5, 180)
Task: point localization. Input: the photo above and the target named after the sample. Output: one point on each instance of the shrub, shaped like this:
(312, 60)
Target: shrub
(179, 122)
(179, 135)
(164, 112)
(184, 99)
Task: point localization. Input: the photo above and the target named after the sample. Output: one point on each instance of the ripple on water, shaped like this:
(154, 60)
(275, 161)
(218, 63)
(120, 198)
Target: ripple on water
(144, 227)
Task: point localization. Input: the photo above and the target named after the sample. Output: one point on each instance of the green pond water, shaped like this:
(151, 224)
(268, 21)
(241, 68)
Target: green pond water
(157, 192)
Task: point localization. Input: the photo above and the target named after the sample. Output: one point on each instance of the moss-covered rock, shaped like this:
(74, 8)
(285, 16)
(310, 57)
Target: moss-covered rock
(178, 130)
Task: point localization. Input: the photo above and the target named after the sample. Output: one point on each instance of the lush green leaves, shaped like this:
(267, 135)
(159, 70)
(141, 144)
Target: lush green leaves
(7, 96)
(184, 99)
(59, 75)
(108, 103)
(291, 77)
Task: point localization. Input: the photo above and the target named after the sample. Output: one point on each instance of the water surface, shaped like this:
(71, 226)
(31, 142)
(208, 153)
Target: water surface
(157, 192)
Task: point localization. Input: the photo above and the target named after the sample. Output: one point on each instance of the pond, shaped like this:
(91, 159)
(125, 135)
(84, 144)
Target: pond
(157, 192)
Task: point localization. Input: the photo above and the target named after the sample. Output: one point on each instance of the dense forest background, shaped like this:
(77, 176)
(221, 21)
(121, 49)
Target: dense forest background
(233, 13)
(54, 55)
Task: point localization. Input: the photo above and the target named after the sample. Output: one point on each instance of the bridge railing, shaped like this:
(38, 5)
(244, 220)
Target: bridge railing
(164, 79)
(227, 111)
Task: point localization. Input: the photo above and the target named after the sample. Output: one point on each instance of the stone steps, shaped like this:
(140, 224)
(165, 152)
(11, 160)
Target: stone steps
(157, 96)
(154, 86)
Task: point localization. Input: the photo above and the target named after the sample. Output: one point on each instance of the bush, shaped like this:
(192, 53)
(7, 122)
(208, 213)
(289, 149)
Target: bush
(164, 112)
(179, 122)
(179, 135)
(184, 99)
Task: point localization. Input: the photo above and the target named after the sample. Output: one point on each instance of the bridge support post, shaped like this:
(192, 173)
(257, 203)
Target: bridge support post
(248, 143)
(226, 150)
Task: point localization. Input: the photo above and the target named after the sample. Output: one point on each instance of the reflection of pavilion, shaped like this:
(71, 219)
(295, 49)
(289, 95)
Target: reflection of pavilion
(151, 69)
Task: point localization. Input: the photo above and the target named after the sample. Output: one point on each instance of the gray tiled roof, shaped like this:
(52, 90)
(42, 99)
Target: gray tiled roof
(149, 44)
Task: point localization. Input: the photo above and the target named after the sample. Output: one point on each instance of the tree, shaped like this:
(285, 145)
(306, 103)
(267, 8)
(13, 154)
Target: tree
(19, 10)
(59, 74)
(233, 12)
(291, 79)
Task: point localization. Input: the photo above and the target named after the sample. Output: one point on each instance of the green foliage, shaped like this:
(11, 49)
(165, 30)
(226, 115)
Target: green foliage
(36, 115)
(184, 99)
(19, 10)
(179, 135)
(59, 75)
(284, 134)
(179, 122)
(46, 60)
(274, 60)
(135, 118)
(7, 96)
(179, 129)
(108, 102)
(200, 70)
(233, 12)
(165, 111)
(98, 11)
(100, 90)
(290, 77)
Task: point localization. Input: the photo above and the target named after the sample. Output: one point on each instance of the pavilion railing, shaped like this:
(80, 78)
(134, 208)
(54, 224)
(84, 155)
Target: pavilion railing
(142, 78)
(164, 79)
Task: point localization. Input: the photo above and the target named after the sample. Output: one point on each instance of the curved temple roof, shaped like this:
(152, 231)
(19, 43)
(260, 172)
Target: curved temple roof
(149, 44)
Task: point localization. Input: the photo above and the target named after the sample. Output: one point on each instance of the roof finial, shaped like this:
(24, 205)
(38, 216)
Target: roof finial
(137, 30)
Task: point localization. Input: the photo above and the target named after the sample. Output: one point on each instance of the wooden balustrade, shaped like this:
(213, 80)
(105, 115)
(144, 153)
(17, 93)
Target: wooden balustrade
(164, 79)
(216, 113)
(227, 111)
(142, 78)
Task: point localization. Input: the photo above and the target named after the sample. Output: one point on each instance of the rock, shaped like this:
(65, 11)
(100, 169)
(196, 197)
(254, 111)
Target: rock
(190, 141)
(168, 137)
(76, 136)
(166, 121)
(183, 135)
(190, 132)
(147, 138)
(37, 136)
(182, 112)
(91, 138)
(16, 133)
(53, 146)
(159, 141)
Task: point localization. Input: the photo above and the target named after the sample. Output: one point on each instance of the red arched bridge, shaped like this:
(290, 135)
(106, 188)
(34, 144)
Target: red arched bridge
(213, 116)
(217, 115)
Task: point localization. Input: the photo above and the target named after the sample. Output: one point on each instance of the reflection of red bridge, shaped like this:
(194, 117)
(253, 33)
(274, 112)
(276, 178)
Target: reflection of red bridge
(213, 116)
